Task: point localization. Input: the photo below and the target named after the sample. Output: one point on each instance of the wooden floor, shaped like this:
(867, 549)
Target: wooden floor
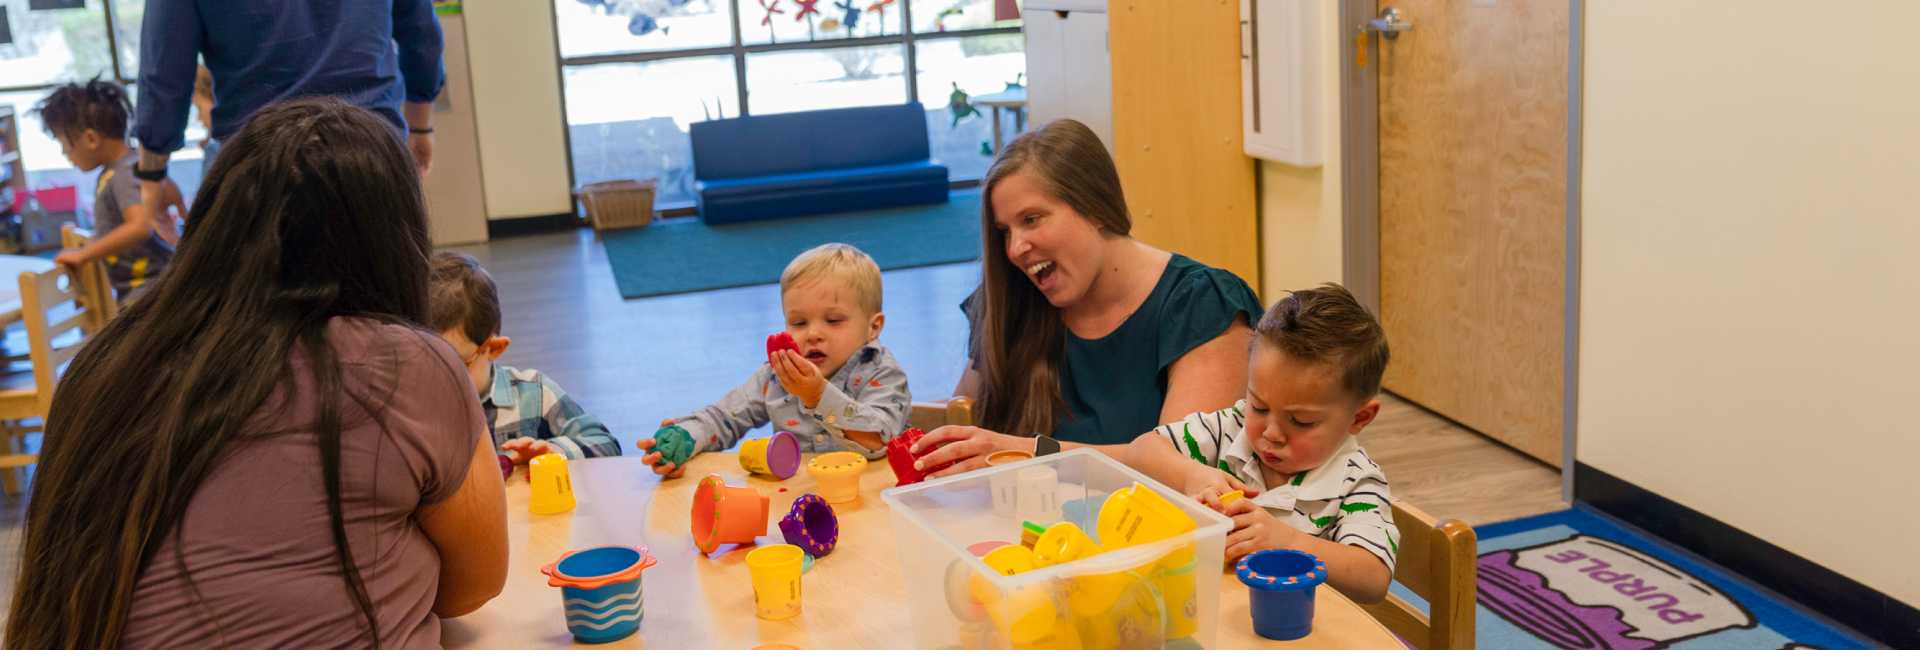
(634, 362)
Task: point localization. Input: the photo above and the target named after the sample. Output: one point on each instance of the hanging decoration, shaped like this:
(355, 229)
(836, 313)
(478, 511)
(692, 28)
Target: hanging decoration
(807, 8)
(958, 103)
(771, 7)
(880, 7)
(940, 20)
(852, 18)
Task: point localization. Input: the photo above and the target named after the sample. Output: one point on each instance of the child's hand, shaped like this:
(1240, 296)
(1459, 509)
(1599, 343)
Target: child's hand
(661, 466)
(70, 258)
(1207, 485)
(522, 450)
(798, 376)
(1255, 530)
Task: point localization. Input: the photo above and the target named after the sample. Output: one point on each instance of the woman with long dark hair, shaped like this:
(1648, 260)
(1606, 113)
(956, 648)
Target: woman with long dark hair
(267, 449)
(1083, 335)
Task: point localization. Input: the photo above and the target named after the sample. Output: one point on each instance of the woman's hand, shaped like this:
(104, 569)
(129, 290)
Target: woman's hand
(967, 447)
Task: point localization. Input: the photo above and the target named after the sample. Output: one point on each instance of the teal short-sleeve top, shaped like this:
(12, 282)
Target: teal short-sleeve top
(1115, 385)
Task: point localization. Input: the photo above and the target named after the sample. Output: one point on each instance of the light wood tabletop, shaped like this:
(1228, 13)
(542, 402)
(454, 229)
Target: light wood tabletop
(851, 599)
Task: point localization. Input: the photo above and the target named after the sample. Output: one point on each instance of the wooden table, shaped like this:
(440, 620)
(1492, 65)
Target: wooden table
(853, 598)
(11, 266)
(1013, 99)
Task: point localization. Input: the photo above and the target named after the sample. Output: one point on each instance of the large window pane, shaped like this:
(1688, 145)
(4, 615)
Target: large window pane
(56, 45)
(127, 16)
(974, 65)
(948, 15)
(783, 82)
(629, 120)
(791, 21)
(589, 27)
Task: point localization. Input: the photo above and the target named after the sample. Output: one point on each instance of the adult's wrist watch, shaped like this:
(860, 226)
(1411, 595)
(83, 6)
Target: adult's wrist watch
(1044, 444)
(150, 175)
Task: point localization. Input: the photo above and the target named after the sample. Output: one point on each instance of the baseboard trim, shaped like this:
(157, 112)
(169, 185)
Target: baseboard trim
(497, 228)
(1838, 597)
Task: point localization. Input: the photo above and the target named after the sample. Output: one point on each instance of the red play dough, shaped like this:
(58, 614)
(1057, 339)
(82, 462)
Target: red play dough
(780, 341)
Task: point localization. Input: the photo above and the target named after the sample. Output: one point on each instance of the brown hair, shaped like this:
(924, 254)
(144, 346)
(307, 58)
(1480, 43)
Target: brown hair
(1018, 335)
(1327, 325)
(71, 109)
(461, 295)
(839, 262)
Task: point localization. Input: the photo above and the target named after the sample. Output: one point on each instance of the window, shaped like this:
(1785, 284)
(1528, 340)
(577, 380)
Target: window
(638, 72)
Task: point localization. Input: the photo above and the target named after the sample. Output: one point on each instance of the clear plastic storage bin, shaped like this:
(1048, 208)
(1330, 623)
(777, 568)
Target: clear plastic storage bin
(1140, 566)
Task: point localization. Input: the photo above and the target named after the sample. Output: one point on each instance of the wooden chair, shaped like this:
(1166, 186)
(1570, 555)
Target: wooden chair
(928, 416)
(42, 296)
(96, 289)
(1437, 561)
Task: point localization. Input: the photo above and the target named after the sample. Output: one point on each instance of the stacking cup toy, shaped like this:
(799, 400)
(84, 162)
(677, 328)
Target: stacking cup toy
(776, 580)
(811, 525)
(1280, 585)
(900, 457)
(601, 591)
(1137, 515)
(552, 487)
(838, 474)
(777, 456)
(726, 515)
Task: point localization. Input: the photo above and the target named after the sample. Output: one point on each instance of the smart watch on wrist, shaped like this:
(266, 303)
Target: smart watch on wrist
(1044, 444)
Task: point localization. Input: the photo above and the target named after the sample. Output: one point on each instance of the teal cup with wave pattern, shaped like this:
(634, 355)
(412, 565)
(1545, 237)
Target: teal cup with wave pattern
(600, 590)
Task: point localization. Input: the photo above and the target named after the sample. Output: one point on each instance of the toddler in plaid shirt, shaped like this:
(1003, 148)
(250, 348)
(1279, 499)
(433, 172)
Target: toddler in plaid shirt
(527, 413)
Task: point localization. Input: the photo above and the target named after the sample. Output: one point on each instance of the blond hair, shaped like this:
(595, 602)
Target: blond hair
(839, 262)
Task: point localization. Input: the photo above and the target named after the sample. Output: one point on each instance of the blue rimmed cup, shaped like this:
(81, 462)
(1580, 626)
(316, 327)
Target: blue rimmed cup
(1280, 585)
(600, 591)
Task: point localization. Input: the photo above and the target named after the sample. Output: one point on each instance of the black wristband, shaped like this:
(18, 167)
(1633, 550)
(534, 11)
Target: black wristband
(154, 176)
(419, 131)
(1044, 445)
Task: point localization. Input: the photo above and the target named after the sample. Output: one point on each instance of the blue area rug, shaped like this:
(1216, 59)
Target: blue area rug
(1576, 579)
(686, 256)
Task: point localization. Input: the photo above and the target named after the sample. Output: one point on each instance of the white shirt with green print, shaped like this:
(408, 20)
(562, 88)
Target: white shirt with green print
(1344, 500)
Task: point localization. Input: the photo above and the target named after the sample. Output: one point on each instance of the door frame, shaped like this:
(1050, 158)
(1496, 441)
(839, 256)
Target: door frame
(1360, 189)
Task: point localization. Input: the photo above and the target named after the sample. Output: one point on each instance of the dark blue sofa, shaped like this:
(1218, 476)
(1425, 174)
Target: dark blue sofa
(793, 164)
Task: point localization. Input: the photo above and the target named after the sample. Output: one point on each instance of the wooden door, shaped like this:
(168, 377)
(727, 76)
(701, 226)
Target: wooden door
(1176, 130)
(1473, 133)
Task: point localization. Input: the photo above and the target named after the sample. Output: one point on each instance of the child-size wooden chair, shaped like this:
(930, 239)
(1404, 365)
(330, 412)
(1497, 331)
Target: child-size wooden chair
(928, 416)
(42, 299)
(96, 289)
(1437, 561)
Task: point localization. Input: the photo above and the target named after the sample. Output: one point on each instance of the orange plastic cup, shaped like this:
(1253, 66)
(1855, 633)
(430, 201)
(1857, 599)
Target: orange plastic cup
(723, 514)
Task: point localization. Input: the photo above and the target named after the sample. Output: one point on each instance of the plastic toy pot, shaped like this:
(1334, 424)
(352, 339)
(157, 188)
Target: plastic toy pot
(777, 456)
(552, 487)
(776, 580)
(900, 457)
(838, 474)
(726, 515)
(811, 525)
(1280, 585)
(600, 590)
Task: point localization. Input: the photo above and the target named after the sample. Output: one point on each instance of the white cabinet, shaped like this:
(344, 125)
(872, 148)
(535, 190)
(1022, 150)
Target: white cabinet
(1068, 71)
(1280, 79)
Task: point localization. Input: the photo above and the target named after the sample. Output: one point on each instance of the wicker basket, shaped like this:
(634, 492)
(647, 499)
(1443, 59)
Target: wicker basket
(612, 205)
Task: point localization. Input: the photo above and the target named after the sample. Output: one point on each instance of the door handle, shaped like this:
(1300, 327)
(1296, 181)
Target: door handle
(1389, 25)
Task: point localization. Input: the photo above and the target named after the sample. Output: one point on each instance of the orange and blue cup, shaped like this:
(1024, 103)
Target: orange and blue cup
(600, 591)
(1280, 586)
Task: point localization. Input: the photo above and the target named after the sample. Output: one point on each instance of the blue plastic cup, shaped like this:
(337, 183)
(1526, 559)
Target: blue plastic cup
(601, 592)
(1280, 585)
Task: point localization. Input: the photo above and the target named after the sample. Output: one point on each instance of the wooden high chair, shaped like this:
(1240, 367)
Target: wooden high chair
(928, 416)
(41, 297)
(1437, 560)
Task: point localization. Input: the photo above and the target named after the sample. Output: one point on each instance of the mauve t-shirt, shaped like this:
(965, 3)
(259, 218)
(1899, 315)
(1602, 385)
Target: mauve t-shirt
(257, 539)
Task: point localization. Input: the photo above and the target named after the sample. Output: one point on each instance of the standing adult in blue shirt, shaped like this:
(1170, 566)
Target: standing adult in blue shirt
(265, 51)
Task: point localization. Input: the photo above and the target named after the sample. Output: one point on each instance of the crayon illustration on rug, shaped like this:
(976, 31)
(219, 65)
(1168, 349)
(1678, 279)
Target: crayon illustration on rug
(1574, 579)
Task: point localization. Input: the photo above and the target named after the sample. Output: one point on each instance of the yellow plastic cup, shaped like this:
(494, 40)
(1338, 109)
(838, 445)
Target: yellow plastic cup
(552, 487)
(1006, 561)
(1137, 515)
(838, 474)
(1177, 591)
(1062, 543)
(776, 580)
(1131, 619)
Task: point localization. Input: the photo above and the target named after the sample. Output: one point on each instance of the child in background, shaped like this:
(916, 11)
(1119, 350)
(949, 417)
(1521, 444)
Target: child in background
(527, 413)
(1291, 445)
(203, 107)
(841, 391)
(90, 121)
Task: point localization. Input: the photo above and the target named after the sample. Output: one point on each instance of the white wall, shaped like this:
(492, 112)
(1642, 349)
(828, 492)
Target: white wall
(1750, 291)
(516, 94)
(1300, 221)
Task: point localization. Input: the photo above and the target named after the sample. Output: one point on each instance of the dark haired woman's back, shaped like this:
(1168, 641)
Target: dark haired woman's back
(256, 538)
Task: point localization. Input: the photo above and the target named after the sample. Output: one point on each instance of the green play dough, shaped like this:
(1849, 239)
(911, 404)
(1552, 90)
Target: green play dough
(674, 444)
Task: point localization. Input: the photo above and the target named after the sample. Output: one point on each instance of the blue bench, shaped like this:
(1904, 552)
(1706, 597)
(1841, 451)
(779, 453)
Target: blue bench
(816, 162)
